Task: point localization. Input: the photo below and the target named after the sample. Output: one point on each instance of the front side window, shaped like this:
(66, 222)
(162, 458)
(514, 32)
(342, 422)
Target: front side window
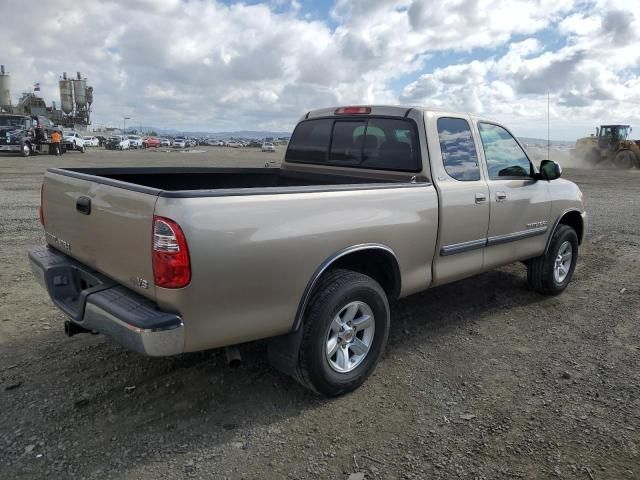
(459, 154)
(505, 158)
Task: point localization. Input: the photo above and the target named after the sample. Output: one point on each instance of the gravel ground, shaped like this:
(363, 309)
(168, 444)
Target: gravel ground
(482, 379)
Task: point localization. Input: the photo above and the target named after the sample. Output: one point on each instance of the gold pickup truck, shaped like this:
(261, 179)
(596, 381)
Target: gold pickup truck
(371, 204)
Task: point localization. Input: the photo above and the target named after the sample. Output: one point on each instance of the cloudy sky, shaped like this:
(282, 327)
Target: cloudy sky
(223, 65)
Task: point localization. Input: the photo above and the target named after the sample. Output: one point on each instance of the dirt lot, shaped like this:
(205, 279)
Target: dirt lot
(482, 379)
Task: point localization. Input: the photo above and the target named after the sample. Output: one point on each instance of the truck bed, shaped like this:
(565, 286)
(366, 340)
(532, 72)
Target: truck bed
(215, 181)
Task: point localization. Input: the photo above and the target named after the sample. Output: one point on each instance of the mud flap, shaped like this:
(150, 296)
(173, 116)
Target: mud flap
(283, 351)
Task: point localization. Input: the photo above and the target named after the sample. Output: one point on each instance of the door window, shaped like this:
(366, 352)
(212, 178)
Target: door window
(505, 158)
(459, 154)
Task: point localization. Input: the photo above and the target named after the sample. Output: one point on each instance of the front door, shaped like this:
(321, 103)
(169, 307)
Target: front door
(464, 199)
(520, 206)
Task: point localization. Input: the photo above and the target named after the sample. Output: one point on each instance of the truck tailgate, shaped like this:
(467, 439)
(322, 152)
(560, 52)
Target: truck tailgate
(103, 226)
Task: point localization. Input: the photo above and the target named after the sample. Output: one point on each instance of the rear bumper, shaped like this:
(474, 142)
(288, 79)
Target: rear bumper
(96, 303)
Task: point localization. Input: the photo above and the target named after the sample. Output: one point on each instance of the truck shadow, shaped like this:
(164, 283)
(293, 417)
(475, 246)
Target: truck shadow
(441, 310)
(106, 398)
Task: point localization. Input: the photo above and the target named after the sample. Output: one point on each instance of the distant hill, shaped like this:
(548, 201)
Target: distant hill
(543, 142)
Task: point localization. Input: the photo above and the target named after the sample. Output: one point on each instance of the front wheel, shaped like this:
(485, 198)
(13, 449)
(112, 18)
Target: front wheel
(624, 160)
(25, 151)
(550, 273)
(345, 331)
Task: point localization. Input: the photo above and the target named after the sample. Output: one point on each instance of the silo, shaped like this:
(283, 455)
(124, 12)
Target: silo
(5, 90)
(66, 94)
(80, 91)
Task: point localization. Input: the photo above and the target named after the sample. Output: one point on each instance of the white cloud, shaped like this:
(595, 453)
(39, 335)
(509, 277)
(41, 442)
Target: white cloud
(211, 65)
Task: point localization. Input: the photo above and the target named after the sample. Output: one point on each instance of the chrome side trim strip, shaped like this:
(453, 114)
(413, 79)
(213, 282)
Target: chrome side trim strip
(491, 241)
(462, 247)
(511, 237)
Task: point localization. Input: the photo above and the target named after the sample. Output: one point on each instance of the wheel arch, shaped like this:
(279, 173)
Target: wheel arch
(571, 217)
(375, 260)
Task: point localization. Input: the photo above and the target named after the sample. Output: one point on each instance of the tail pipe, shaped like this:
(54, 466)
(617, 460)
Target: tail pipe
(234, 359)
(71, 329)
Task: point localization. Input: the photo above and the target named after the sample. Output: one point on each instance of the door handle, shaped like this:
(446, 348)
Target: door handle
(501, 196)
(481, 198)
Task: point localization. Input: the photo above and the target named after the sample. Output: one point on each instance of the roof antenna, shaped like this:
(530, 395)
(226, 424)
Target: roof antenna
(548, 130)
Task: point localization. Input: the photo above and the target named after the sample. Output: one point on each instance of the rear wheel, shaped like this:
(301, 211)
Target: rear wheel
(550, 273)
(345, 331)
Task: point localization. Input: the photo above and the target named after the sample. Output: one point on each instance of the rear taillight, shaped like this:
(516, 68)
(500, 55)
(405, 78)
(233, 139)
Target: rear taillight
(41, 210)
(171, 265)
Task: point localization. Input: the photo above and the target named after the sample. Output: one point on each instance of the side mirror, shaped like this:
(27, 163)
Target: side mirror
(550, 170)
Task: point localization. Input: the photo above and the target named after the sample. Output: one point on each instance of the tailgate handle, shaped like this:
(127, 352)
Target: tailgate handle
(83, 205)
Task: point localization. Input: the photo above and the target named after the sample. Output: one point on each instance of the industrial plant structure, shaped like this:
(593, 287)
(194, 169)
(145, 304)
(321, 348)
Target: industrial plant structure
(76, 99)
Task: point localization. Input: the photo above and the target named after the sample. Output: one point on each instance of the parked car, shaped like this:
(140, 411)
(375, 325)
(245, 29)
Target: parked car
(118, 142)
(234, 144)
(268, 147)
(91, 141)
(150, 142)
(371, 204)
(179, 143)
(73, 140)
(135, 141)
(165, 142)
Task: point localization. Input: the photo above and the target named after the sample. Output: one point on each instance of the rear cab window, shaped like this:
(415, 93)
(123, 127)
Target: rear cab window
(373, 143)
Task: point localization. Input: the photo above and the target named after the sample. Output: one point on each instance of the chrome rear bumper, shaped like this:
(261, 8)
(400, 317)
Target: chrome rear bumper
(96, 303)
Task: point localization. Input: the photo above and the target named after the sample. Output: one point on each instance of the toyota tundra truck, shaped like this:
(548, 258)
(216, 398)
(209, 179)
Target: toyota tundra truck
(371, 204)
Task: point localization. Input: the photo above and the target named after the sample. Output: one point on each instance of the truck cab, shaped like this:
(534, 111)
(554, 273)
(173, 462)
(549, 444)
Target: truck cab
(21, 134)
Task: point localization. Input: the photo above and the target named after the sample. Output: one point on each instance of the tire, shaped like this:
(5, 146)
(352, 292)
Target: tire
(82, 149)
(544, 274)
(339, 293)
(25, 150)
(624, 160)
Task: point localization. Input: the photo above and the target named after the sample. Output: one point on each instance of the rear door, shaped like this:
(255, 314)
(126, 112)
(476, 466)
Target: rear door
(520, 204)
(463, 194)
(103, 226)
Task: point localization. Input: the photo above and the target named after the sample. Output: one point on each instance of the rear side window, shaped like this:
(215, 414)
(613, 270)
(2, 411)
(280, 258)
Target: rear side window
(459, 154)
(375, 143)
